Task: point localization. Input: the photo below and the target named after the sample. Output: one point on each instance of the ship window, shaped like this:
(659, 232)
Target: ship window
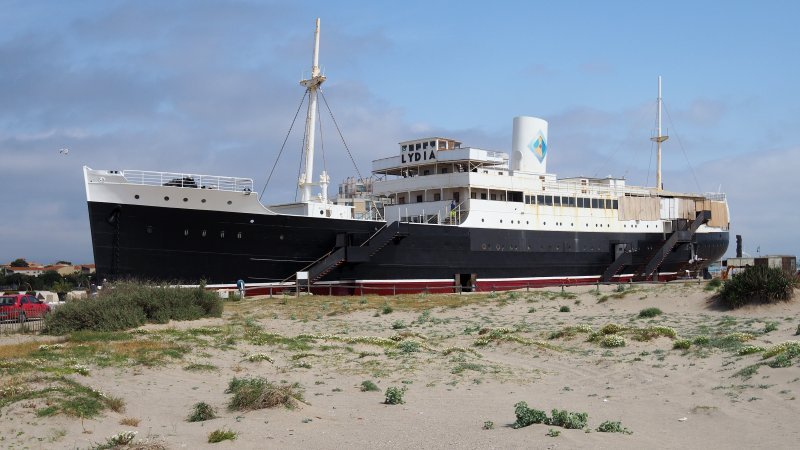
(444, 170)
(557, 201)
(280, 237)
(136, 196)
(166, 199)
(482, 220)
(149, 229)
(594, 203)
(203, 233)
(320, 212)
(437, 196)
(485, 171)
(501, 220)
(483, 196)
(222, 234)
(401, 201)
(473, 195)
(426, 172)
(203, 201)
(548, 200)
(492, 196)
(239, 235)
(229, 202)
(185, 199)
(608, 204)
(615, 204)
(186, 232)
(419, 199)
(580, 202)
(527, 199)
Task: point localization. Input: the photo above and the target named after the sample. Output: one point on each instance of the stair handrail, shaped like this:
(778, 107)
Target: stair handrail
(385, 225)
(310, 265)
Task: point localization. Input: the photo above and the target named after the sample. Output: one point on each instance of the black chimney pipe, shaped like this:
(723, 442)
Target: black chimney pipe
(738, 245)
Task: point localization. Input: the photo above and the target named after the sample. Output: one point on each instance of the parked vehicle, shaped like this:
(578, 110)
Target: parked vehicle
(21, 307)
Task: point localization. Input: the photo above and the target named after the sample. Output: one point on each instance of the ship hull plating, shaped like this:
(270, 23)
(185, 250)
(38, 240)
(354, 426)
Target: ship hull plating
(183, 245)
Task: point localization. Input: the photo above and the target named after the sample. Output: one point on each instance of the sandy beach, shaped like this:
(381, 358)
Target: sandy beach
(463, 360)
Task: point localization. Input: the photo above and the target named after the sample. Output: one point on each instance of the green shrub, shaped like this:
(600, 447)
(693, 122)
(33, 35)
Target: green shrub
(682, 344)
(569, 420)
(258, 393)
(649, 312)
(369, 386)
(713, 284)
(757, 284)
(770, 327)
(201, 412)
(398, 325)
(612, 328)
(564, 308)
(126, 305)
(553, 433)
(488, 425)
(527, 416)
(613, 427)
(221, 435)
(408, 346)
(701, 340)
(394, 395)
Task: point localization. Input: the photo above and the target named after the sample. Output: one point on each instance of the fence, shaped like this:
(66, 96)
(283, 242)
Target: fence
(16, 320)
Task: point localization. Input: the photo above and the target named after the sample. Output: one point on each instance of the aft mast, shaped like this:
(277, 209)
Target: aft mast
(659, 139)
(312, 84)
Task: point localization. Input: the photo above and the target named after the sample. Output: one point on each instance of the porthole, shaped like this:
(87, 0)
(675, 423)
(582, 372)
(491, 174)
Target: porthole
(149, 229)
(527, 223)
(166, 199)
(239, 235)
(321, 212)
(544, 223)
(230, 202)
(483, 246)
(501, 220)
(136, 196)
(482, 220)
(252, 221)
(186, 232)
(222, 234)
(203, 201)
(185, 199)
(571, 224)
(203, 233)
(497, 246)
(280, 237)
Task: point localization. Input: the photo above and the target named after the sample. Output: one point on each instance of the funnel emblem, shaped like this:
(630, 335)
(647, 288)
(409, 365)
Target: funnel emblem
(539, 147)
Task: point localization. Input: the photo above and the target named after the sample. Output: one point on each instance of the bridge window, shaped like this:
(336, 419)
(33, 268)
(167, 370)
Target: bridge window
(437, 197)
(419, 199)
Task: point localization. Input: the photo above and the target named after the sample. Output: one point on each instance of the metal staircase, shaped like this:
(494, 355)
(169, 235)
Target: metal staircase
(622, 257)
(677, 237)
(344, 253)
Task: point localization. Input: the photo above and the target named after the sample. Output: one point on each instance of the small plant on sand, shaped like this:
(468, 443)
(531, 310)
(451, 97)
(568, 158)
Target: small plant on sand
(201, 412)
(258, 393)
(612, 341)
(797, 331)
(569, 420)
(750, 349)
(123, 438)
(612, 328)
(527, 416)
(369, 386)
(613, 427)
(649, 313)
(553, 433)
(130, 421)
(488, 425)
(701, 340)
(408, 346)
(221, 435)
(394, 395)
(681, 344)
(713, 284)
(770, 327)
(387, 309)
(398, 325)
(564, 308)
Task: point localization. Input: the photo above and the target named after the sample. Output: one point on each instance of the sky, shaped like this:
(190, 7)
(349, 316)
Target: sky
(211, 87)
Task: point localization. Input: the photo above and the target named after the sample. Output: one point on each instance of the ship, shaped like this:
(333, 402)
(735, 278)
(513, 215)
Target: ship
(439, 216)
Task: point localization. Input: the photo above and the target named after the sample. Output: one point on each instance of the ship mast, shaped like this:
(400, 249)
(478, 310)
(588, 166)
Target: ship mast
(659, 139)
(312, 84)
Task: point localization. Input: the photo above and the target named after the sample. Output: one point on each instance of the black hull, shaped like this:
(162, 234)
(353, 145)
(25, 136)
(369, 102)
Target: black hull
(183, 245)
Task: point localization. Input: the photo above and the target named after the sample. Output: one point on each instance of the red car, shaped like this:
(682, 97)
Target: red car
(21, 307)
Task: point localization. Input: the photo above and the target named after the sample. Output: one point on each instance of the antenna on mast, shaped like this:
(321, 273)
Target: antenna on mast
(312, 84)
(659, 139)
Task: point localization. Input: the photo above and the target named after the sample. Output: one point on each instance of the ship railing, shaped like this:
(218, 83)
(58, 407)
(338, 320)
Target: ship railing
(188, 180)
(571, 188)
(715, 196)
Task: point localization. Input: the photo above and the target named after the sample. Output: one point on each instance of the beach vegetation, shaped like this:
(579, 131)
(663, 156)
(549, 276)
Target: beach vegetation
(394, 395)
(648, 313)
(221, 435)
(201, 412)
(258, 393)
(757, 284)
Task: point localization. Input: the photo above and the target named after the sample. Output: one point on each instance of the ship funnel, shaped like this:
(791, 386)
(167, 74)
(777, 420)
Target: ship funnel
(529, 145)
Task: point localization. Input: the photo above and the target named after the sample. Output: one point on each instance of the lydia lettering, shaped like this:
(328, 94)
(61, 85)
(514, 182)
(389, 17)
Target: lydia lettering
(416, 157)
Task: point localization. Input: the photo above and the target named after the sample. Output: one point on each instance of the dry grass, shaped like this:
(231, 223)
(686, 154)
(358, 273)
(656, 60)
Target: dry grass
(24, 349)
(310, 306)
(130, 421)
(135, 346)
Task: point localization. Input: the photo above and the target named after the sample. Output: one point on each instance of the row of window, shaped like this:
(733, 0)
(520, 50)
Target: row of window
(580, 202)
(185, 199)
